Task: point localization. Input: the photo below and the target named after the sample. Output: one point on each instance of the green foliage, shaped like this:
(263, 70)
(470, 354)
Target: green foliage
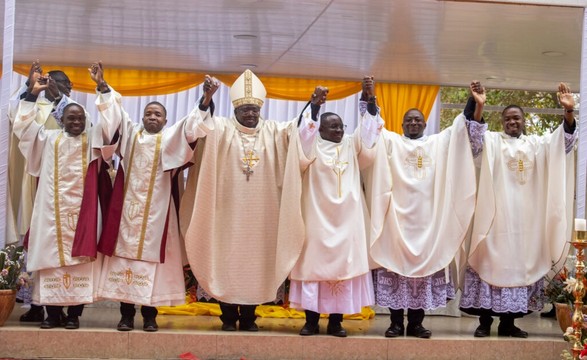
(535, 123)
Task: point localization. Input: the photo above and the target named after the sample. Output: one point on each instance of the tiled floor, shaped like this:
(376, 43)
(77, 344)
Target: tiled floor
(278, 339)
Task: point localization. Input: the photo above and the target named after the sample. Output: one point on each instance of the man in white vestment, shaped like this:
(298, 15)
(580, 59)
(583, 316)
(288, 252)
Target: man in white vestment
(332, 275)
(236, 249)
(22, 187)
(422, 197)
(521, 225)
(145, 252)
(65, 224)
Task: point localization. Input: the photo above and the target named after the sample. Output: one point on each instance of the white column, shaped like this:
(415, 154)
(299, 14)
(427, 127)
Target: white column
(7, 57)
(582, 151)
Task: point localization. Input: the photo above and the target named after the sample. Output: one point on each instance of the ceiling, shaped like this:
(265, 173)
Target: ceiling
(446, 42)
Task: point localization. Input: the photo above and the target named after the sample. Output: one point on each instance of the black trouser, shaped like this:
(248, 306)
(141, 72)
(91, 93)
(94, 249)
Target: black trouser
(313, 317)
(486, 317)
(415, 316)
(54, 311)
(128, 310)
(231, 313)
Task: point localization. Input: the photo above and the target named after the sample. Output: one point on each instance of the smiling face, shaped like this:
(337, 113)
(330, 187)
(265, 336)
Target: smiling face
(74, 119)
(331, 127)
(154, 117)
(413, 124)
(248, 115)
(513, 121)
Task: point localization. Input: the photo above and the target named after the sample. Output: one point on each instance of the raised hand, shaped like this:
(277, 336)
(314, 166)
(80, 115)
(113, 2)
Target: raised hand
(319, 95)
(35, 73)
(41, 84)
(97, 74)
(368, 86)
(52, 93)
(565, 96)
(478, 92)
(211, 84)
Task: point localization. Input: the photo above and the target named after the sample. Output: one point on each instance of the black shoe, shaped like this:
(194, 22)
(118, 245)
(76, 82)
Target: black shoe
(512, 331)
(310, 329)
(336, 330)
(72, 323)
(229, 327)
(50, 323)
(126, 324)
(35, 314)
(482, 331)
(394, 330)
(248, 326)
(549, 314)
(150, 325)
(418, 331)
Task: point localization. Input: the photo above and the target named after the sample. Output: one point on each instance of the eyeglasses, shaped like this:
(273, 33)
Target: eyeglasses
(336, 127)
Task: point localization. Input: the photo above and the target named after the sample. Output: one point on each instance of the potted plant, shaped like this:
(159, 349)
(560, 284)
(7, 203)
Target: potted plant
(559, 292)
(11, 278)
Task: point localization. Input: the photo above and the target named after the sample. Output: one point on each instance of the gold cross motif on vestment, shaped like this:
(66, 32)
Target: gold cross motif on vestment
(338, 167)
(249, 160)
(520, 164)
(419, 161)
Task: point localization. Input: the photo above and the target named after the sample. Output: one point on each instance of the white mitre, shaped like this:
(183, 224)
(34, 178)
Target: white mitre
(247, 90)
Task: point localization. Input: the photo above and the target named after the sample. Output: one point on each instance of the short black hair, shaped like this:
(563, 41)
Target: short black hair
(157, 103)
(513, 107)
(327, 114)
(72, 104)
(58, 75)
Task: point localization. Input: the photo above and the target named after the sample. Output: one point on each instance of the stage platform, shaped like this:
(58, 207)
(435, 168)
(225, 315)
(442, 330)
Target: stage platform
(452, 338)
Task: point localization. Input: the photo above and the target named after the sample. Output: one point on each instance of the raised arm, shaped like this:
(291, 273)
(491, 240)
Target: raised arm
(370, 122)
(31, 134)
(478, 94)
(473, 113)
(308, 124)
(567, 101)
(112, 116)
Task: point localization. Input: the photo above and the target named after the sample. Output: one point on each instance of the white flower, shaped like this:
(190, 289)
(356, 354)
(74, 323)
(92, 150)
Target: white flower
(4, 272)
(570, 284)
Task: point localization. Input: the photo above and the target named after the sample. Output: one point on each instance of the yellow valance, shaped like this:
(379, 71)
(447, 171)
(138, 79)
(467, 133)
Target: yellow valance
(394, 99)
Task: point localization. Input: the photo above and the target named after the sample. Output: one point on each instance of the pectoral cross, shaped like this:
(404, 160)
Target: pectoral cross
(339, 167)
(419, 161)
(249, 160)
(520, 164)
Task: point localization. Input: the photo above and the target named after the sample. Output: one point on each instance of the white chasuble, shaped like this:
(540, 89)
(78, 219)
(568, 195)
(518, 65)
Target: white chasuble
(232, 239)
(60, 161)
(522, 217)
(422, 197)
(137, 272)
(334, 212)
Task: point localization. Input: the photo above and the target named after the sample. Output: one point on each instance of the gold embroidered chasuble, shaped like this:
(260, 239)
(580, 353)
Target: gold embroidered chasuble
(232, 240)
(524, 208)
(134, 274)
(422, 196)
(60, 161)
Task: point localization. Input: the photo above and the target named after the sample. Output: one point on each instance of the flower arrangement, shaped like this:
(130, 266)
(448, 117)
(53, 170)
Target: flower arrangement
(560, 288)
(11, 263)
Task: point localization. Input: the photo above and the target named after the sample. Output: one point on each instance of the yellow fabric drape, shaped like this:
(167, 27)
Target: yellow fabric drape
(394, 99)
(267, 311)
(130, 82)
